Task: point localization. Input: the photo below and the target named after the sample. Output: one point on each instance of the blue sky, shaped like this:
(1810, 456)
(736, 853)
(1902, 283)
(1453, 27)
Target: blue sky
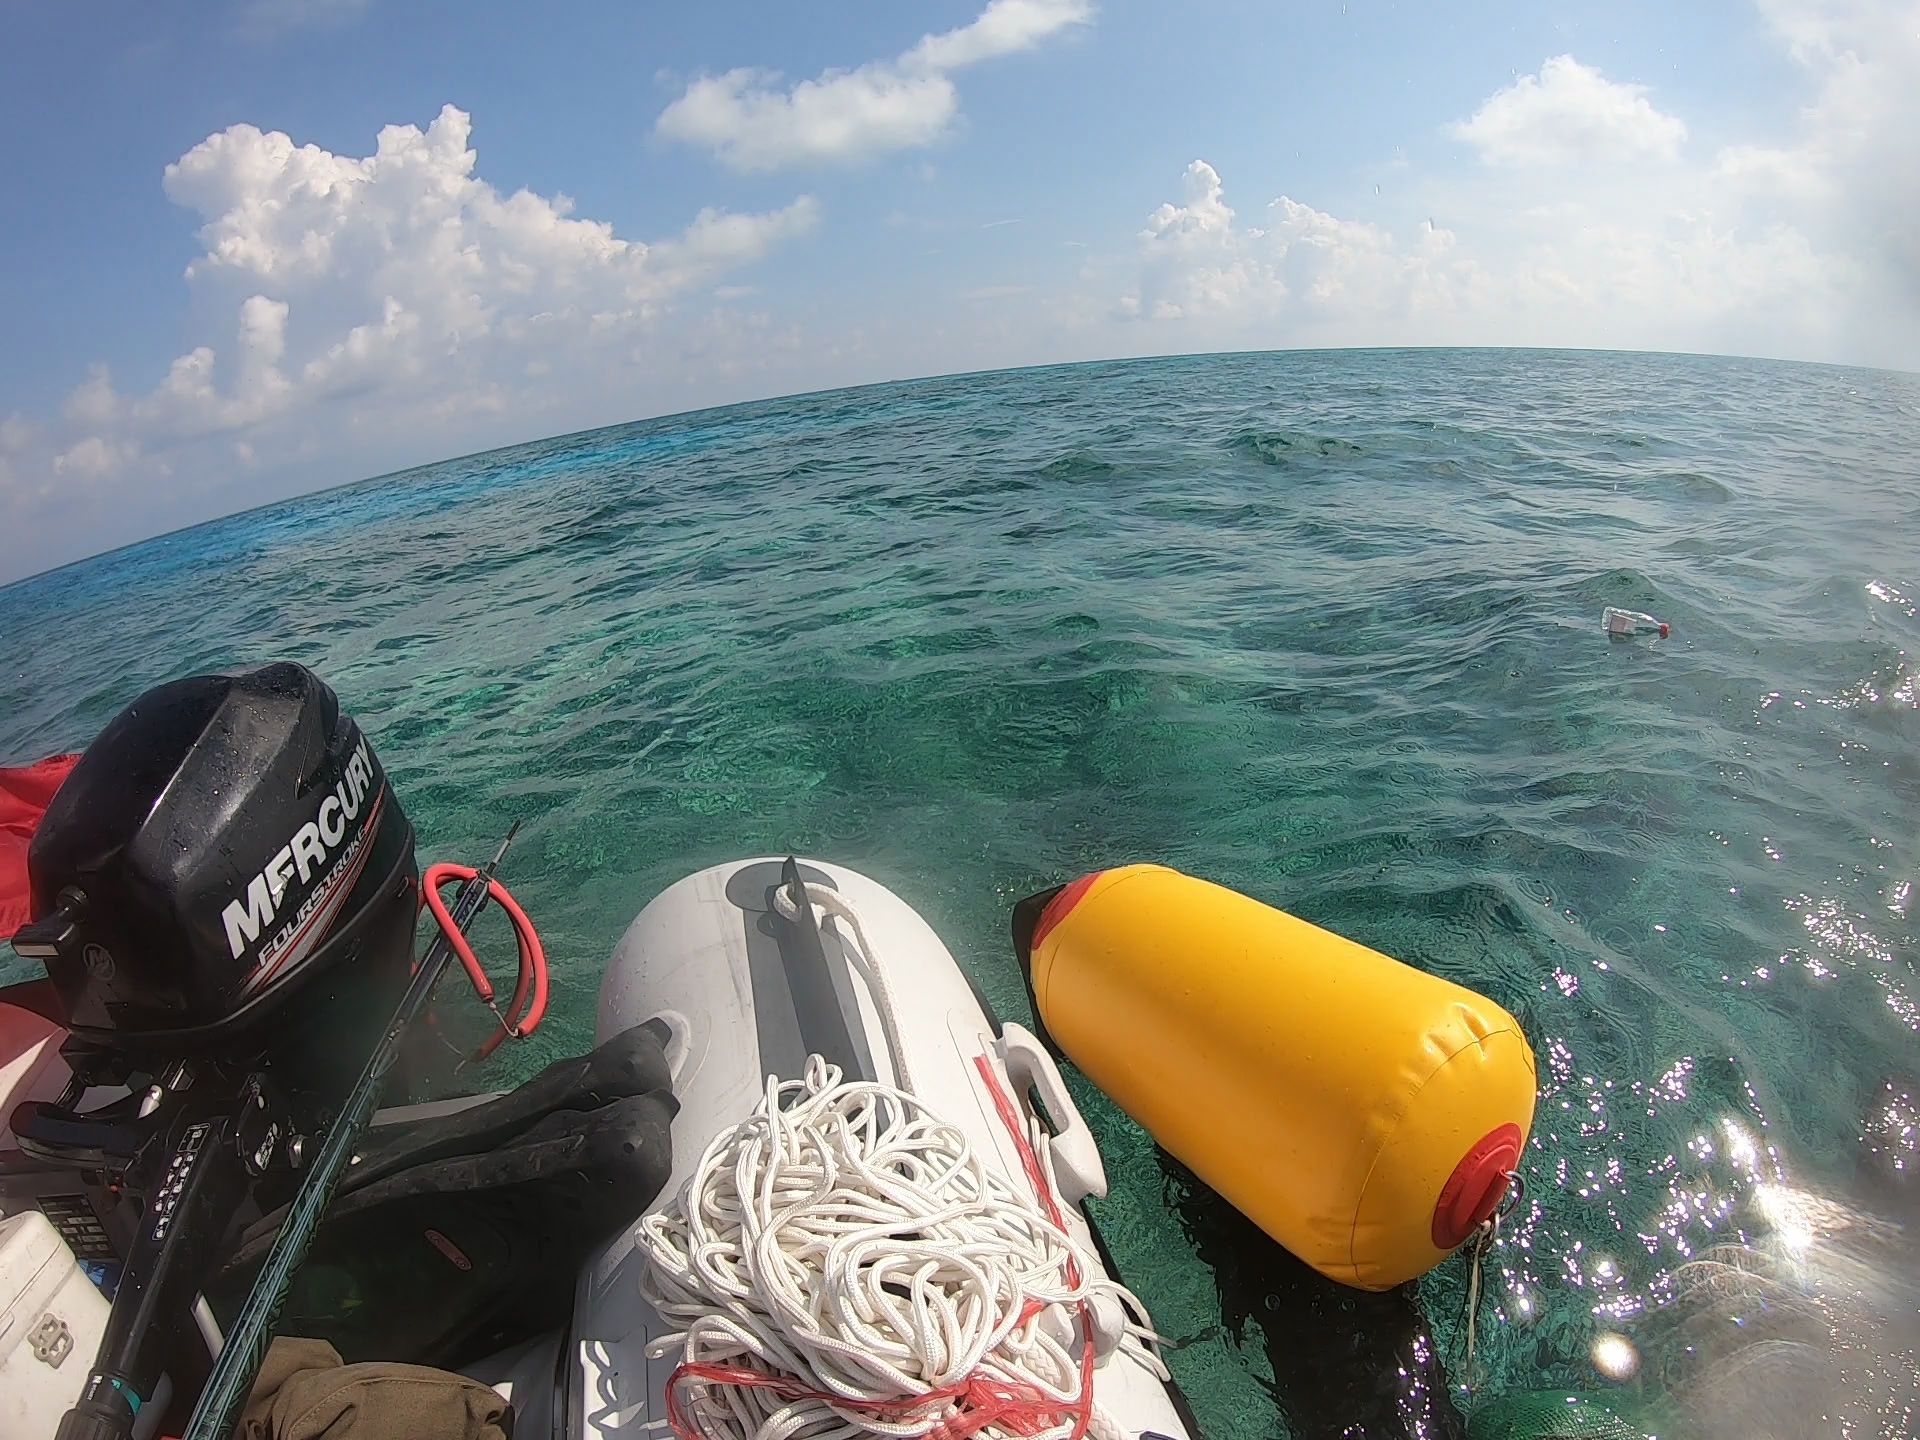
(260, 247)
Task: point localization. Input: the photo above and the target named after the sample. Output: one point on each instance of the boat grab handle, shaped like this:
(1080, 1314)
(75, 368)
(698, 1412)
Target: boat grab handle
(1078, 1171)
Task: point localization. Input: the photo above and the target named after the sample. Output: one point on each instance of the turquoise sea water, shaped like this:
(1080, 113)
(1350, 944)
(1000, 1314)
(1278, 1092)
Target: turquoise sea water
(1324, 627)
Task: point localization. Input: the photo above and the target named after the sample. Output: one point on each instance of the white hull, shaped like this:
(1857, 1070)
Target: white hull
(707, 958)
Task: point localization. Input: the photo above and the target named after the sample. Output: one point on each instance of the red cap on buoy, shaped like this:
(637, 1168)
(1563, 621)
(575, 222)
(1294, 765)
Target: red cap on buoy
(1476, 1187)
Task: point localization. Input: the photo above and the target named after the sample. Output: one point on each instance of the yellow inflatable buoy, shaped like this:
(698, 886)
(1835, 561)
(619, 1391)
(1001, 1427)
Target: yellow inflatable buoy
(1365, 1114)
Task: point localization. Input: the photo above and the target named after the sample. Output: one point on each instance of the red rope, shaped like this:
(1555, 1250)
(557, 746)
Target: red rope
(1030, 1162)
(978, 1401)
(523, 1014)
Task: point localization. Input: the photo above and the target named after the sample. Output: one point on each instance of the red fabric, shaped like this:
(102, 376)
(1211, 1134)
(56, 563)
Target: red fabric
(25, 793)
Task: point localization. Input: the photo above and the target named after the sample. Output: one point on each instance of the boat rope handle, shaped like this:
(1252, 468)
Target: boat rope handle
(870, 969)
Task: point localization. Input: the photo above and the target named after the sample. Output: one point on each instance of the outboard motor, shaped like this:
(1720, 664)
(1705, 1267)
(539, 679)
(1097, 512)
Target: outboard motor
(224, 897)
(227, 874)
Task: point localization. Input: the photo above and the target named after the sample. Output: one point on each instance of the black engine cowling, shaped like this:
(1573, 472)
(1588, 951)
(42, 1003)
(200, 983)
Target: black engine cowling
(226, 874)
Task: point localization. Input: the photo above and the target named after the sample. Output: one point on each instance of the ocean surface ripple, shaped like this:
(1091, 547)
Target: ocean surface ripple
(1320, 626)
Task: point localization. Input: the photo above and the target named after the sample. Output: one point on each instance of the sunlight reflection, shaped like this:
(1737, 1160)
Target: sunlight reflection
(1614, 1356)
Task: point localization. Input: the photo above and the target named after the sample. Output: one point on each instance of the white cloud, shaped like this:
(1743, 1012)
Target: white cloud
(190, 403)
(392, 295)
(1560, 274)
(1822, 32)
(1300, 267)
(844, 115)
(440, 264)
(93, 458)
(750, 122)
(1850, 179)
(370, 353)
(1805, 249)
(280, 214)
(1205, 215)
(94, 403)
(1570, 114)
(718, 240)
(1005, 27)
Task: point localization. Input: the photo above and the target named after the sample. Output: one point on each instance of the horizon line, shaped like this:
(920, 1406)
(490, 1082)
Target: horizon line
(386, 475)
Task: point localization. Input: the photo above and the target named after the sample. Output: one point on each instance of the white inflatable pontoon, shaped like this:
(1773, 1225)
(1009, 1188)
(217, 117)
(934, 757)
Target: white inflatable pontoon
(745, 996)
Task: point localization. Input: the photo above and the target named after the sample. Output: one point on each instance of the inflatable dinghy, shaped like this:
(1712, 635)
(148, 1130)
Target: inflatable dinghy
(735, 974)
(753, 967)
(192, 1157)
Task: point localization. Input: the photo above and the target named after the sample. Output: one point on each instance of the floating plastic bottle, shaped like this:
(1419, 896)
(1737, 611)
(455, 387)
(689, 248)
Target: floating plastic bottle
(1625, 624)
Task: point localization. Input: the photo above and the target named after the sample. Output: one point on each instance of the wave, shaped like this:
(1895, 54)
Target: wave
(1285, 448)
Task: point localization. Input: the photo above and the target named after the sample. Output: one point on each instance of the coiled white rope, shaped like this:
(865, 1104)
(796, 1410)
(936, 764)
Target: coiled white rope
(841, 1265)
